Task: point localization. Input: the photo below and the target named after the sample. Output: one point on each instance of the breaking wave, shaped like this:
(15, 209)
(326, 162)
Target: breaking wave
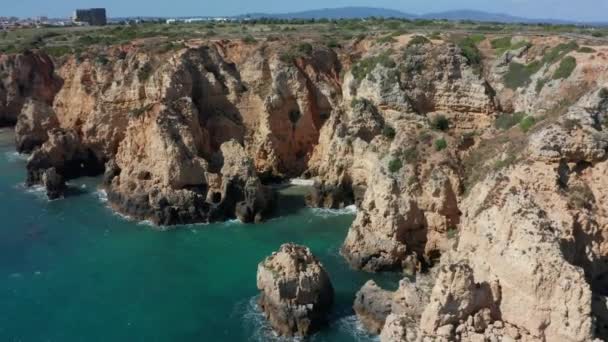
(350, 325)
(323, 212)
(16, 156)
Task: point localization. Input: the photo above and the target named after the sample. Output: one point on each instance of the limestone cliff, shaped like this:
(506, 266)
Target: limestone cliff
(485, 176)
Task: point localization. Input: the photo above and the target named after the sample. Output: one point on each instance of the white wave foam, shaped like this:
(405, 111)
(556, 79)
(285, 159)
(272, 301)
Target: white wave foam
(257, 325)
(102, 195)
(351, 326)
(16, 156)
(302, 182)
(323, 212)
(145, 223)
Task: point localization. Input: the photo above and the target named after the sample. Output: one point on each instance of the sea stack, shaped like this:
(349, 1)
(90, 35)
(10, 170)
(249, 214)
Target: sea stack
(296, 293)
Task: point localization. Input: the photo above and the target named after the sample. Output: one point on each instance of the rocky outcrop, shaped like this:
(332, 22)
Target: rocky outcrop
(53, 183)
(372, 306)
(64, 153)
(295, 291)
(30, 75)
(34, 123)
(511, 222)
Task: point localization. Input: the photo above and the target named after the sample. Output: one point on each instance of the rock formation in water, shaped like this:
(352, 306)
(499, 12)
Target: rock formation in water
(295, 291)
(486, 176)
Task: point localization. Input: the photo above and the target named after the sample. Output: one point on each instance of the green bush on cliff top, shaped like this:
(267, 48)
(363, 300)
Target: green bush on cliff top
(565, 69)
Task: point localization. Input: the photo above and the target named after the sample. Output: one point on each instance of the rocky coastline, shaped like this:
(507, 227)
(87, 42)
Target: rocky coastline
(489, 194)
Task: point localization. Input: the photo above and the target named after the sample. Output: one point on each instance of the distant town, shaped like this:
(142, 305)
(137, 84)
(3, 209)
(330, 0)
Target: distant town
(96, 17)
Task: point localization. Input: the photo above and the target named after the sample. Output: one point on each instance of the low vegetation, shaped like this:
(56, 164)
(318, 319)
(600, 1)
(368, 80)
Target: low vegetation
(565, 69)
(526, 123)
(395, 165)
(468, 48)
(519, 75)
(367, 65)
(389, 132)
(418, 40)
(441, 144)
(504, 44)
(440, 123)
(506, 120)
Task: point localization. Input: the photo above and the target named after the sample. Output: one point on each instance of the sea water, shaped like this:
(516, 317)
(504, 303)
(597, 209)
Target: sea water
(72, 270)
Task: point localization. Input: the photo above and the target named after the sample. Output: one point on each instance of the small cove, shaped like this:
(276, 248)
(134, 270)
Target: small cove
(72, 270)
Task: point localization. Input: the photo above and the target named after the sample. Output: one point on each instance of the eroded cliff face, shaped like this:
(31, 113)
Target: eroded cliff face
(22, 77)
(510, 222)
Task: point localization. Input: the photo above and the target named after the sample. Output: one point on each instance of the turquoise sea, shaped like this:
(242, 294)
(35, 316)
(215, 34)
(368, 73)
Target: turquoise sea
(72, 270)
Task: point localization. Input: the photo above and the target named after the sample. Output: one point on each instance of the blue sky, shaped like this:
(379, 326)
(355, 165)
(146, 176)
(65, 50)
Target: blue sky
(562, 9)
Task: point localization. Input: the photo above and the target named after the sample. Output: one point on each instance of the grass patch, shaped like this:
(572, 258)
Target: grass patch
(556, 53)
(505, 121)
(501, 43)
(395, 165)
(388, 39)
(586, 49)
(519, 74)
(249, 39)
(540, 84)
(565, 69)
(440, 144)
(367, 65)
(468, 48)
(418, 40)
(527, 123)
(389, 132)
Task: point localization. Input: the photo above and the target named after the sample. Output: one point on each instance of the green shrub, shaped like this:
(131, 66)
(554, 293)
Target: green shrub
(556, 53)
(519, 74)
(503, 43)
(505, 121)
(389, 132)
(586, 49)
(57, 51)
(395, 165)
(540, 84)
(440, 123)
(418, 40)
(441, 144)
(468, 48)
(287, 57)
(603, 94)
(565, 69)
(249, 39)
(435, 35)
(386, 40)
(333, 44)
(526, 123)
(477, 38)
(411, 155)
(305, 48)
(367, 65)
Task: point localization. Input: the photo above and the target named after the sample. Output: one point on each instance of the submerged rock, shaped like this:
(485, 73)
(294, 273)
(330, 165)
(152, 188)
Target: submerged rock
(296, 293)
